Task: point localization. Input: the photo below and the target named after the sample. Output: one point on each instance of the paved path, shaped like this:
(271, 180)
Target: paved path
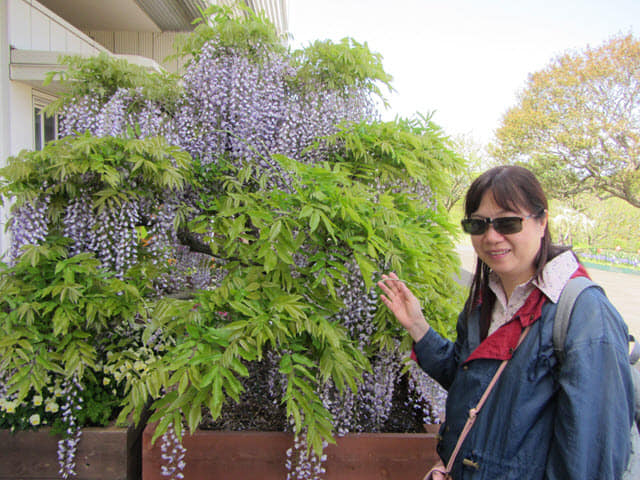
(623, 289)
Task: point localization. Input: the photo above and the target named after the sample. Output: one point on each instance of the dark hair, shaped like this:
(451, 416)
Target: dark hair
(515, 189)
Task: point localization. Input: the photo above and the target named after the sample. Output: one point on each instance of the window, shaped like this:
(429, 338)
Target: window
(45, 128)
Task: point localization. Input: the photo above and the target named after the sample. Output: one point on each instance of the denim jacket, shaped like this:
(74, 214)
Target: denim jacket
(542, 420)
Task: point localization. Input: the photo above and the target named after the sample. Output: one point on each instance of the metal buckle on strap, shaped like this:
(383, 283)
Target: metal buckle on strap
(470, 463)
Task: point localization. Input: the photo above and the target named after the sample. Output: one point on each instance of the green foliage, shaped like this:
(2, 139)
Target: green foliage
(340, 66)
(575, 123)
(56, 308)
(102, 75)
(323, 64)
(112, 169)
(66, 316)
(286, 253)
(406, 156)
(238, 28)
(100, 397)
(62, 317)
(476, 162)
(409, 152)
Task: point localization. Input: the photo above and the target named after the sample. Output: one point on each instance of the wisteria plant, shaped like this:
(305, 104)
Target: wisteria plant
(66, 341)
(251, 206)
(77, 292)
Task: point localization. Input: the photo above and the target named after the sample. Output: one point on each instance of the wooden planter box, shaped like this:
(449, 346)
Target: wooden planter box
(103, 454)
(262, 455)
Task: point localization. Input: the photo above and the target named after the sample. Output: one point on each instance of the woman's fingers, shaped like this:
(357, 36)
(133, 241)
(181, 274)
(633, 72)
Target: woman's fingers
(396, 296)
(394, 287)
(404, 305)
(391, 281)
(384, 287)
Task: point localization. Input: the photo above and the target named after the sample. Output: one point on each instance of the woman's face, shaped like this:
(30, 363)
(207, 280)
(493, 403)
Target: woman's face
(511, 256)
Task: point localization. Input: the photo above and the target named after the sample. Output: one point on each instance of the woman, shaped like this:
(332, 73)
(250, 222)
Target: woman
(542, 420)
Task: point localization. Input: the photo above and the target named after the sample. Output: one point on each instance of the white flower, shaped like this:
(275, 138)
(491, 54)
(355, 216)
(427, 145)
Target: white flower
(10, 407)
(34, 419)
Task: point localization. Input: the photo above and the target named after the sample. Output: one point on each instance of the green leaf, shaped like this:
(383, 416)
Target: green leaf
(270, 261)
(194, 416)
(161, 427)
(367, 269)
(184, 382)
(61, 321)
(314, 221)
(286, 365)
(275, 230)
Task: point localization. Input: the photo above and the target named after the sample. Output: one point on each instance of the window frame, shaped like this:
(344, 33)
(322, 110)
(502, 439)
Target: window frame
(39, 101)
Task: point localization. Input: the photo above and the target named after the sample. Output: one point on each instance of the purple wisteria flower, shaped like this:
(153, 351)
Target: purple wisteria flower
(173, 454)
(68, 446)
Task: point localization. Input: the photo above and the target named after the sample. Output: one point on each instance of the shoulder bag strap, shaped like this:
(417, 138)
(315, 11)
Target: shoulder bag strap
(567, 299)
(473, 413)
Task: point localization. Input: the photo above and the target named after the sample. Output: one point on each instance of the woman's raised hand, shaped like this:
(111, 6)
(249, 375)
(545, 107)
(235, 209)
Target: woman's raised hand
(404, 305)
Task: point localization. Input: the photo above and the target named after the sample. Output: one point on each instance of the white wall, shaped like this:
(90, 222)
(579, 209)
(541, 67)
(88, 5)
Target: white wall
(5, 130)
(21, 117)
(5, 134)
(155, 45)
(159, 45)
(30, 26)
(33, 27)
(27, 25)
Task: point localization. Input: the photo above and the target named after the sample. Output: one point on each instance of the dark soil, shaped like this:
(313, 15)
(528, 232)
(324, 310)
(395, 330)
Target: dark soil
(260, 411)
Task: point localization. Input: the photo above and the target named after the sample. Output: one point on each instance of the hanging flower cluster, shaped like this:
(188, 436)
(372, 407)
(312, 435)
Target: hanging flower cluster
(68, 446)
(173, 455)
(246, 108)
(29, 225)
(126, 112)
(369, 408)
(79, 116)
(427, 396)
(303, 464)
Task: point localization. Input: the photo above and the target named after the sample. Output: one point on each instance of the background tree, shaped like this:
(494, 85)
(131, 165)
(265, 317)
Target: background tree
(590, 222)
(475, 160)
(577, 123)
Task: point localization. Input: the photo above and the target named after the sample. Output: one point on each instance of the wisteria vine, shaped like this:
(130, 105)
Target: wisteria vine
(239, 109)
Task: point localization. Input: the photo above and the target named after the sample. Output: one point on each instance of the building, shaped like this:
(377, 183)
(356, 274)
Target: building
(34, 34)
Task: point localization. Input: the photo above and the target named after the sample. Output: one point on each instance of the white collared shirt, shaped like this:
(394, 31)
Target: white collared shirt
(555, 276)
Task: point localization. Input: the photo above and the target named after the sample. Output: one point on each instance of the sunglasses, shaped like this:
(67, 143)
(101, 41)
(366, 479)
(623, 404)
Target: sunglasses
(502, 225)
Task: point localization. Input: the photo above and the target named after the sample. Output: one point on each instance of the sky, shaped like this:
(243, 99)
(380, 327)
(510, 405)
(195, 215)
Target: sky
(463, 60)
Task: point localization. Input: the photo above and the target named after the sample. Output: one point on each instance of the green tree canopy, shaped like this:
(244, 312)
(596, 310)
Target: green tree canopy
(577, 123)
